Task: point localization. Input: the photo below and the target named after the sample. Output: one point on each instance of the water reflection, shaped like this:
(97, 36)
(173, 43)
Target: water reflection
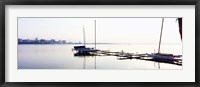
(157, 65)
(85, 59)
(95, 61)
(84, 62)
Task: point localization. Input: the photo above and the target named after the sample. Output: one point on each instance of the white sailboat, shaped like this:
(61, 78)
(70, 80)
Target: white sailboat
(163, 56)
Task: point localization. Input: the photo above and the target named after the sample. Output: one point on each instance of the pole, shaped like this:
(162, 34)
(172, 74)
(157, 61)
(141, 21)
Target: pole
(84, 35)
(95, 33)
(160, 35)
(95, 41)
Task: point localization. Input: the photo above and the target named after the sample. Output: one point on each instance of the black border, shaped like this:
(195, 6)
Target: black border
(98, 2)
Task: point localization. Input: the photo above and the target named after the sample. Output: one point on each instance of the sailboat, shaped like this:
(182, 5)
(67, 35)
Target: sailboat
(83, 50)
(166, 56)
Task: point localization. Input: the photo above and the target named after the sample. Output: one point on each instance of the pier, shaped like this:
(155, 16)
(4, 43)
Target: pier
(121, 55)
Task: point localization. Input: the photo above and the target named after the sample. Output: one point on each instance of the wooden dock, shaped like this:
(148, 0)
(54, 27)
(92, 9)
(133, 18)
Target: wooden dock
(124, 56)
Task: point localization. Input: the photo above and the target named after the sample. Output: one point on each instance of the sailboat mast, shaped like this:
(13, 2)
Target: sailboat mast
(84, 35)
(160, 35)
(95, 33)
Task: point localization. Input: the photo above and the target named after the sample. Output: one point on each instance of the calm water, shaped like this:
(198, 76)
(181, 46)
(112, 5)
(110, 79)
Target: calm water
(62, 57)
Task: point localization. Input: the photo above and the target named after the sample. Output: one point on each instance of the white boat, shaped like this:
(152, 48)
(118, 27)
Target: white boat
(163, 56)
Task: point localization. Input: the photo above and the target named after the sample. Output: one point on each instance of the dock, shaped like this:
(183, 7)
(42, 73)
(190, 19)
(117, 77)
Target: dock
(128, 56)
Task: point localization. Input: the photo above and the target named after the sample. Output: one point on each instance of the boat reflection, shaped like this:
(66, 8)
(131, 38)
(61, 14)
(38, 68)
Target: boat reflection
(85, 57)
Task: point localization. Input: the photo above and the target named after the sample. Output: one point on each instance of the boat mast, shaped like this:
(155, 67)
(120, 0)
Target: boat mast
(95, 65)
(84, 35)
(160, 35)
(95, 33)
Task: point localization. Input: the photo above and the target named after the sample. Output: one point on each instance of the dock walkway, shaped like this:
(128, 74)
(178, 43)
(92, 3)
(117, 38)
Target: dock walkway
(124, 56)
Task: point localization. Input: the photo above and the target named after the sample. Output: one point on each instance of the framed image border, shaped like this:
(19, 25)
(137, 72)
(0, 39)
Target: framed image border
(98, 2)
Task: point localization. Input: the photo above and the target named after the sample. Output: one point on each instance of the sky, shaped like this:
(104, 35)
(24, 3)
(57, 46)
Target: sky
(108, 30)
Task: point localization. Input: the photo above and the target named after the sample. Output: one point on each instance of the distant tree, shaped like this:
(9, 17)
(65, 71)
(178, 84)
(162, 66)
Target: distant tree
(42, 41)
(64, 42)
(52, 41)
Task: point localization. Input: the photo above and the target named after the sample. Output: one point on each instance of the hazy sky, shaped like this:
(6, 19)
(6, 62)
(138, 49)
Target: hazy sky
(109, 30)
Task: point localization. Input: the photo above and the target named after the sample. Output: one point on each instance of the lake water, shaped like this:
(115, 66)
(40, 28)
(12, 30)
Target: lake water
(62, 57)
